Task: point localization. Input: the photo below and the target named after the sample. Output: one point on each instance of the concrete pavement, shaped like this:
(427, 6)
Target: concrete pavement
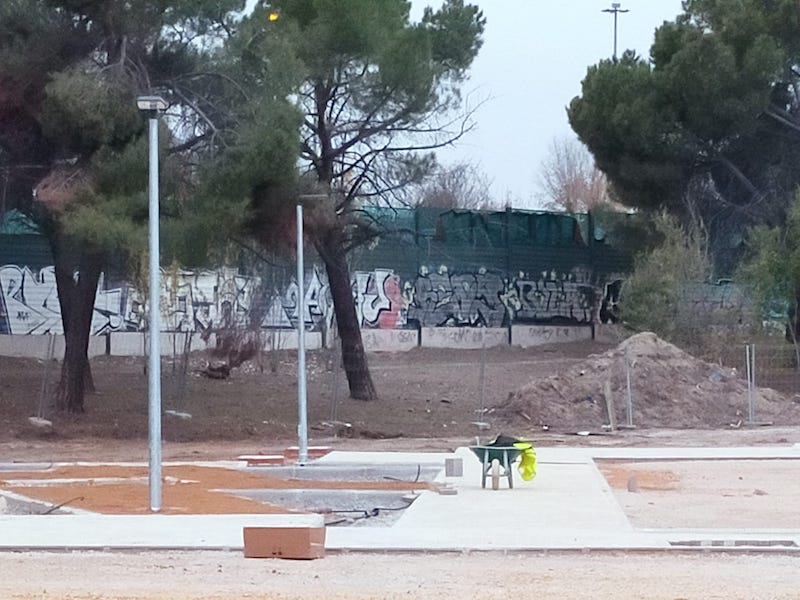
(569, 505)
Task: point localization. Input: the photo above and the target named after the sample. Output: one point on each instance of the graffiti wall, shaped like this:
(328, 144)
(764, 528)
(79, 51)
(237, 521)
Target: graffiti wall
(205, 300)
(441, 299)
(379, 299)
(283, 306)
(552, 297)
(29, 303)
(485, 299)
(201, 301)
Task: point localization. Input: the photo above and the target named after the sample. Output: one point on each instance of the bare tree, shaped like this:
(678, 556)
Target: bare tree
(462, 185)
(570, 180)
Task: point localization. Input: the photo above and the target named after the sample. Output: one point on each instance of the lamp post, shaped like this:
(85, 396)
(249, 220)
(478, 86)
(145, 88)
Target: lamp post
(302, 410)
(302, 400)
(154, 106)
(615, 9)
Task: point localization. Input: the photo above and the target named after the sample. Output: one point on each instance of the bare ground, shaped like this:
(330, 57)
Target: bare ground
(424, 393)
(550, 576)
(430, 400)
(428, 397)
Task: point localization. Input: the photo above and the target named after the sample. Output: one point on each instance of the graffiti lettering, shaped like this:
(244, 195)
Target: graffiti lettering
(317, 305)
(29, 304)
(460, 300)
(379, 301)
(205, 300)
(552, 300)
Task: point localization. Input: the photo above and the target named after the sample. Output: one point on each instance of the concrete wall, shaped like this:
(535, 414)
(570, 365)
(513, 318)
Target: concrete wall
(375, 340)
(463, 337)
(132, 343)
(538, 335)
(286, 339)
(37, 346)
(389, 340)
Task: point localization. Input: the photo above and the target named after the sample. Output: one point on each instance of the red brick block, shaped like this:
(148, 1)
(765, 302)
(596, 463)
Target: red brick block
(292, 453)
(261, 460)
(284, 542)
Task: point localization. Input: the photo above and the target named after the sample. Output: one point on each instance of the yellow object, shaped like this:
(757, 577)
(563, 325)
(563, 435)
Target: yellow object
(273, 15)
(527, 462)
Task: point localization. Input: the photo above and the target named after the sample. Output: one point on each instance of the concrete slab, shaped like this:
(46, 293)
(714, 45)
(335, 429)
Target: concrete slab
(340, 457)
(534, 514)
(569, 505)
(139, 531)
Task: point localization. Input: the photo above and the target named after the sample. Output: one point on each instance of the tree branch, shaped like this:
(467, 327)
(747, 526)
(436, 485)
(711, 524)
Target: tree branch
(784, 119)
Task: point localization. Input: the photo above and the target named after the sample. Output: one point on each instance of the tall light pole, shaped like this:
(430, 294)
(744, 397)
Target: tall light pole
(302, 400)
(615, 8)
(302, 410)
(154, 106)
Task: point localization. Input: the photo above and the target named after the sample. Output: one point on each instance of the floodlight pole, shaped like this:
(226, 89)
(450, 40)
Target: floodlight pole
(615, 8)
(302, 410)
(154, 105)
(302, 399)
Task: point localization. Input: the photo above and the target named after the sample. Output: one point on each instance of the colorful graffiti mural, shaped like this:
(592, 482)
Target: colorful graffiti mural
(552, 298)
(485, 299)
(379, 299)
(204, 300)
(29, 303)
(442, 299)
(283, 307)
(190, 301)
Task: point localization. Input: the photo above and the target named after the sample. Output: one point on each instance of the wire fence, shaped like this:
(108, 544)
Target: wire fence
(773, 366)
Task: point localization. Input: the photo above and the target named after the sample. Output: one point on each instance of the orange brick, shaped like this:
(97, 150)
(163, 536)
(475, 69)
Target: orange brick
(257, 460)
(292, 453)
(284, 542)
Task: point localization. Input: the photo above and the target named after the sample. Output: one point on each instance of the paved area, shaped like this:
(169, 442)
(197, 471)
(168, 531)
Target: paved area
(569, 505)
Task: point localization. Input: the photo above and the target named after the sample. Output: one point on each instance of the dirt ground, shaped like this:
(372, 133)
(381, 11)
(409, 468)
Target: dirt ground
(545, 394)
(550, 576)
(430, 400)
(424, 393)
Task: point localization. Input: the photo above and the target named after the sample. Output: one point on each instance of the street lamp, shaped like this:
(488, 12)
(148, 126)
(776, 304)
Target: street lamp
(302, 410)
(154, 106)
(302, 400)
(615, 8)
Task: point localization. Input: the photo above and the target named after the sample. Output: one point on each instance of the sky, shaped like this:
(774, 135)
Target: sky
(534, 57)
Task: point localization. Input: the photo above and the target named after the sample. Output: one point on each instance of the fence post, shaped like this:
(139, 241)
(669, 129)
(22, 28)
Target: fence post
(748, 369)
(628, 383)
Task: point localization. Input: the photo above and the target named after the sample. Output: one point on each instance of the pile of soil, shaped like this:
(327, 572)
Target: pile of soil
(668, 388)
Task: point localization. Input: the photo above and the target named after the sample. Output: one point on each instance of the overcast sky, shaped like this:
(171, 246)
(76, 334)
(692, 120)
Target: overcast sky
(534, 57)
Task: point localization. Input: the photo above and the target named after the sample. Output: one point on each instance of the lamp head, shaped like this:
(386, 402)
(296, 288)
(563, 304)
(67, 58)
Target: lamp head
(152, 103)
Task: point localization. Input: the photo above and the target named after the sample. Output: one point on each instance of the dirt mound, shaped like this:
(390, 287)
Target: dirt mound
(668, 388)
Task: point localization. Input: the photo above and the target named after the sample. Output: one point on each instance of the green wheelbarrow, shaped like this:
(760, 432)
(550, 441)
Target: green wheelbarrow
(497, 461)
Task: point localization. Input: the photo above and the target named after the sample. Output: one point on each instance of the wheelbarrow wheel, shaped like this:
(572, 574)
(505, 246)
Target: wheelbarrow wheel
(495, 474)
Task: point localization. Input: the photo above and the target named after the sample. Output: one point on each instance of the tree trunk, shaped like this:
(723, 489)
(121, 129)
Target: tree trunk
(76, 295)
(354, 359)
